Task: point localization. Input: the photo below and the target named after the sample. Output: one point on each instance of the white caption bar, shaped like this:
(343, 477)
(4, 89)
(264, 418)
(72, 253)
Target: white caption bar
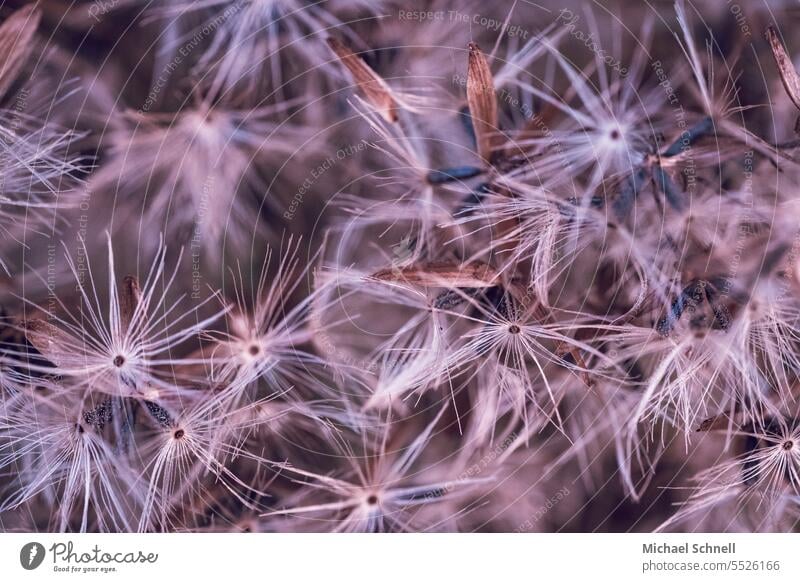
(406, 557)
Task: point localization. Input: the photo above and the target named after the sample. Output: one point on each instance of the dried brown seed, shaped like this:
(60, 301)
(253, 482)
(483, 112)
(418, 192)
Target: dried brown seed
(49, 340)
(375, 89)
(129, 297)
(719, 422)
(482, 101)
(472, 275)
(789, 76)
(16, 36)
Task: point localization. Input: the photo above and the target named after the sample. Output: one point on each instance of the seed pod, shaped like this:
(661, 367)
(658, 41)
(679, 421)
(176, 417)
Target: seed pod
(666, 185)
(159, 414)
(100, 415)
(789, 76)
(49, 340)
(472, 275)
(374, 88)
(16, 36)
(453, 298)
(689, 137)
(130, 296)
(446, 175)
(482, 101)
(624, 201)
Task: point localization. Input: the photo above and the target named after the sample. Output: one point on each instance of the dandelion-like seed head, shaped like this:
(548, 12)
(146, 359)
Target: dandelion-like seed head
(378, 270)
